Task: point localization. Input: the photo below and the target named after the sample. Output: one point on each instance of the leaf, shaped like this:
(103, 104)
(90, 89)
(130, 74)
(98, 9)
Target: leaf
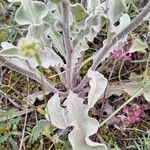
(30, 12)
(12, 53)
(13, 143)
(14, 121)
(146, 94)
(50, 58)
(75, 114)
(87, 32)
(98, 84)
(131, 87)
(92, 4)
(84, 126)
(147, 17)
(87, 29)
(138, 45)
(47, 57)
(113, 30)
(53, 15)
(2, 115)
(56, 1)
(24, 64)
(134, 85)
(52, 7)
(3, 138)
(51, 18)
(116, 9)
(56, 112)
(37, 95)
(38, 129)
(8, 49)
(112, 89)
(124, 22)
(12, 1)
(16, 133)
(40, 33)
(57, 40)
(7, 114)
(78, 12)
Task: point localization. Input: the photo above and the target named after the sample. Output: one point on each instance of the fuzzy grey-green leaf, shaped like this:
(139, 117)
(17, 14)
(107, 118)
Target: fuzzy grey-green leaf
(40, 33)
(84, 126)
(56, 1)
(56, 114)
(138, 45)
(115, 9)
(30, 12)
(92, 4)
(78, 12)
(98, 84)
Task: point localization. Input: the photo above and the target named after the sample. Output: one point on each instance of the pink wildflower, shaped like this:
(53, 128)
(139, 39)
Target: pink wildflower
(127, 121)
(132, 114)
(121, 53)
(126, 110)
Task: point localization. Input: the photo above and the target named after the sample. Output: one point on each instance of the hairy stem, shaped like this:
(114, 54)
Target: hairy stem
(67, 42)
(31, 75)
(104, 52)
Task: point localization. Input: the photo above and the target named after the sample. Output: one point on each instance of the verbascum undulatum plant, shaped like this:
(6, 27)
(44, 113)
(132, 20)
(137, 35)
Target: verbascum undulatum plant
(57, 36)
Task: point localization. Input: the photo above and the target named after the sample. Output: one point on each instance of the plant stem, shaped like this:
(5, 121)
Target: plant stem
(123, 105)
(120, 70)
(31, 75)
(67, 42)
(104, 52)
(23, 132)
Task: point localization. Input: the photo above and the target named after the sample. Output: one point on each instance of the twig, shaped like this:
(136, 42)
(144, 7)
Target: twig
(67, 42)
(23, 132)
(12, 101)
(31, 75)
(102, 54)
(60, 74)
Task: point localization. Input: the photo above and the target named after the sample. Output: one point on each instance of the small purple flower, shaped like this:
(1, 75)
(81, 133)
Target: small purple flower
(120, 53)
(132, 114)
(127, 121)
(126, 110)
